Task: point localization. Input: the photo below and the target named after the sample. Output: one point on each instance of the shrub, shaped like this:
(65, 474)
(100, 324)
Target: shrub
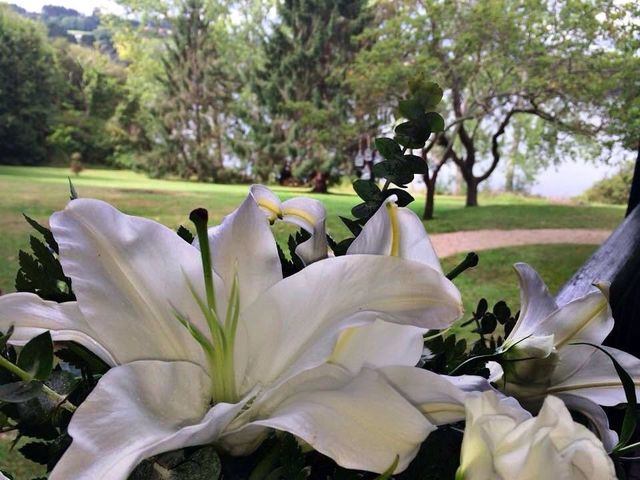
(614, 189)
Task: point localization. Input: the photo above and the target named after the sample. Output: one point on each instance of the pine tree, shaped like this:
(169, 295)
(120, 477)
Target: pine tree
(198, 89)
(301, 87)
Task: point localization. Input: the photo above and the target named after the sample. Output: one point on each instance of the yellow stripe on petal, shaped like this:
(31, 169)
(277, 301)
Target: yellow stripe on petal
(343, 341)
(298, 212)
(271, 207)
(395, 229)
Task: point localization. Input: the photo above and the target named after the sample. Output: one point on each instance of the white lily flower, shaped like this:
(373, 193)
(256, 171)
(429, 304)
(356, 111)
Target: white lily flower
(503, 442)
(396, 231)
(260, 352)
(306, 213)
(544, 359)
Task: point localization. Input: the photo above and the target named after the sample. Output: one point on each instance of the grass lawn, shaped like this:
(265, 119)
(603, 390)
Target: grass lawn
(38, 191)
(495, 279)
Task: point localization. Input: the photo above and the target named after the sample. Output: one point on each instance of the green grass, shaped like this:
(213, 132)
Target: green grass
(38, 191)
(11, 461)
(495, 279)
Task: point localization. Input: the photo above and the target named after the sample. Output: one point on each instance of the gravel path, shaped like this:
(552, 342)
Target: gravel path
(462, 242)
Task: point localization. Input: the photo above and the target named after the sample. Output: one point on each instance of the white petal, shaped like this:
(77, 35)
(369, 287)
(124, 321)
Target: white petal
(434, 395)
(377, 345)
(303, 314)
(598, 420)
(536, 303)
(243, 242)
(597, 379)
(30, 315)
(129, 274)
(359, 421)
(586, 319)
(310, 215)
(139, 410)
(268, 201)
(398, 231)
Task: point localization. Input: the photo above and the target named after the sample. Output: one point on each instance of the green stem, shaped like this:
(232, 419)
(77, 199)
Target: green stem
(26, 377)
(628, 448)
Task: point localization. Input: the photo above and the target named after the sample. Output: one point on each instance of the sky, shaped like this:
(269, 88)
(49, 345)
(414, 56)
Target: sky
(564, 181)
(83, 6)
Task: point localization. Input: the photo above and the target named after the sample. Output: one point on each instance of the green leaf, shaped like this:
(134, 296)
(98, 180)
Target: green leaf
(5, 337)
(435, 121)
(354, 227)
(36, 358)
(410, 108)
(49, 263)
(365, 209)
(428, 94)
(81, 358)
(18, 392)
(416, 164)
(73, 195)
(404, 197)
(185, 234)
(411, 134)
(45, 232)
(367, 189)
(502, 312)
(37, 452)
(395, 171)
(388, 147)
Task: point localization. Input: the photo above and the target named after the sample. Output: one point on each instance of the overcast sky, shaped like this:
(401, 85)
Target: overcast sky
(83, 6)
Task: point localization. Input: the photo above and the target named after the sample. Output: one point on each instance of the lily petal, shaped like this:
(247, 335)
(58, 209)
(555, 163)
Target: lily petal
(130, 275)
(359, 421)
(378, 344)
(436, 396)
(396, 231)
(139, 410)
(310, 215)
(536, 303)
(597, 417)
(244, 243)
(344, 292)
(597, 379)
(30, 315)
(586, 319)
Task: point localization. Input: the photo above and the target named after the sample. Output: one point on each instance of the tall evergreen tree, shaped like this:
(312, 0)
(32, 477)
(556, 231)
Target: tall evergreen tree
(197, 87)
(301, 87)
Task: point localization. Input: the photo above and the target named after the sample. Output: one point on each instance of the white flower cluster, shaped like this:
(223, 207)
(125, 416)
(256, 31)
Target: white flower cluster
(328, 354)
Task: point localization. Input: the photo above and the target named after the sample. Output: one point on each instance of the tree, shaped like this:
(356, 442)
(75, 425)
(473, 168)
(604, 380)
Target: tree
(28, 81)
(300, 87)
(197, 90)
(538, 58)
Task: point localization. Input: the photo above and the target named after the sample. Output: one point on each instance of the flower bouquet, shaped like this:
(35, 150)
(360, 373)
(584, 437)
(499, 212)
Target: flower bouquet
(134, 351)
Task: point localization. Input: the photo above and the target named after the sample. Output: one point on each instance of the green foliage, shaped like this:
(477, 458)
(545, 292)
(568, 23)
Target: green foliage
(28, 95)
(614, 189)
(300, 88)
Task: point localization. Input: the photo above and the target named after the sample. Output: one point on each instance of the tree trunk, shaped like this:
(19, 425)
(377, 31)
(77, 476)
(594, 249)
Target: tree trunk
(320, 182)
(509, 184)
(430, 200)
(472, 192)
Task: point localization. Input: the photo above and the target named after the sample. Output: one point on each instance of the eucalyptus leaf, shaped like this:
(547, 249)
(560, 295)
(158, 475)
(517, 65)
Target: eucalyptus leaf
(36, 357)
(367, 189)
(435, 121)
(410, 108)
(388, 147)
(18, 392)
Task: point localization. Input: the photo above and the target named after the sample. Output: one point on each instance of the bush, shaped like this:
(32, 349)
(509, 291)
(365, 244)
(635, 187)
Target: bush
(614, 189)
